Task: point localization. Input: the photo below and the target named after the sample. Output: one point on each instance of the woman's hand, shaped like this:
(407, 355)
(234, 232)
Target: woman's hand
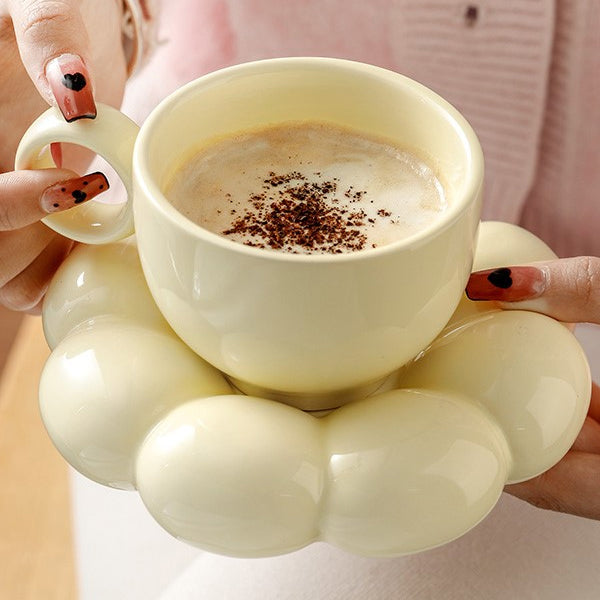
(67, 53)
(568, 290)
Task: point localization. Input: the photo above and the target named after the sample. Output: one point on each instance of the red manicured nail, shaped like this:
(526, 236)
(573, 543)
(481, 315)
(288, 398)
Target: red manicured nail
(67, 194)
(507, 284)
(70, 83)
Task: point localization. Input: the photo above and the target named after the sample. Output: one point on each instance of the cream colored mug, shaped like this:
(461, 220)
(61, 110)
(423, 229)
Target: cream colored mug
(312, 330)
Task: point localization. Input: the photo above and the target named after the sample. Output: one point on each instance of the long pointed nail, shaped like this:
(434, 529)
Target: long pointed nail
(70, 84)
(507, 284)
(67, 194)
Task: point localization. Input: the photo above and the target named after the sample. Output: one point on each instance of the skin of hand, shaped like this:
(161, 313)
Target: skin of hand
(32, 34)
(569, 290)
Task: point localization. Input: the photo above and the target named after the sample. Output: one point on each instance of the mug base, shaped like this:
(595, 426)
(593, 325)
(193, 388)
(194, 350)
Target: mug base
(313, 402)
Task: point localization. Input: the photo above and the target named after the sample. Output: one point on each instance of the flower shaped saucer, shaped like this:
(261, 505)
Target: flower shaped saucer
(498, 397)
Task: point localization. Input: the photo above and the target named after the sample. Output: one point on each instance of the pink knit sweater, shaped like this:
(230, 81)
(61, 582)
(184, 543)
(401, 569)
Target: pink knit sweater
(525, 73)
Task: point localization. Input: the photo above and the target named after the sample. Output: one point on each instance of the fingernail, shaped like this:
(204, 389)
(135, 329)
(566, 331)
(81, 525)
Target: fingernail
(507, 284)
(70, 83)
(67, 194)
(56, 153)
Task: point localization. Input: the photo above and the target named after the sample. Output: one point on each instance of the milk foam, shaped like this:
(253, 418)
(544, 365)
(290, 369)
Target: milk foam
(386, 193)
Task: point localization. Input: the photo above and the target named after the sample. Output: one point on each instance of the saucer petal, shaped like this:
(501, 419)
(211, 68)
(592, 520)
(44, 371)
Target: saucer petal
(236, 475)
(104, 388)
(409, 470)
(96, 281)
(526, 369)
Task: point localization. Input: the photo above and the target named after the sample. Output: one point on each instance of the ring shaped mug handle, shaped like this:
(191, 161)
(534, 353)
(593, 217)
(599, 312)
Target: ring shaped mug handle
(112, 135)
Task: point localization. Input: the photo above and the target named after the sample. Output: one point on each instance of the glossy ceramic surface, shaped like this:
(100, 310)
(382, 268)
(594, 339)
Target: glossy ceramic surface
(304, 329)
(498, 397)
(111, 135)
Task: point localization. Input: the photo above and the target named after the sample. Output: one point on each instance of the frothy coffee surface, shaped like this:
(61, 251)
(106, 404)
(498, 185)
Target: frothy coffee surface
(307, 188)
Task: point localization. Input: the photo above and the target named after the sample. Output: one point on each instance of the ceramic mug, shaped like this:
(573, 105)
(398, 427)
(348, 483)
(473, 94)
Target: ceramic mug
(311, 330)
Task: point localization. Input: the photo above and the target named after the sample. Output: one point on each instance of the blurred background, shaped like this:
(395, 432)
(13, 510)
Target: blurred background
(9, 323)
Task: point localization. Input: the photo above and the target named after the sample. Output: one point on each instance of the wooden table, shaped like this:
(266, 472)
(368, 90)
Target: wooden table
(36, 536)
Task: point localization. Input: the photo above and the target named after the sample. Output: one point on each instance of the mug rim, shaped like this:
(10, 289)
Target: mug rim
(470, 189)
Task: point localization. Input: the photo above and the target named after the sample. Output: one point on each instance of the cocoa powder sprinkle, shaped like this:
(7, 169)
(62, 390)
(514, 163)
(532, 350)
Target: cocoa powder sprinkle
(294, 214)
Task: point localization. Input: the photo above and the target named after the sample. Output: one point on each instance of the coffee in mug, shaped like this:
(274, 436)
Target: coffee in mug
(309, 188)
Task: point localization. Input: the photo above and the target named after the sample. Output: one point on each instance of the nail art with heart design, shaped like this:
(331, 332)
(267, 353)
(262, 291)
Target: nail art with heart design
(70, 84)
(67, 194)
(507, 284)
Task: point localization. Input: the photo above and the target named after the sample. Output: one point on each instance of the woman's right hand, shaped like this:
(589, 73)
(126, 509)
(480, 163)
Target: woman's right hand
(567, 289)
(67, 54)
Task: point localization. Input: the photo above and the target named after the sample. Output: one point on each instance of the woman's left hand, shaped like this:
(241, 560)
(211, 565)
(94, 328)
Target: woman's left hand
(36, 38)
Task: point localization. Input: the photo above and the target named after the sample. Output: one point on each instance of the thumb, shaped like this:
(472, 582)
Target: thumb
(567, 289)
(54, 47)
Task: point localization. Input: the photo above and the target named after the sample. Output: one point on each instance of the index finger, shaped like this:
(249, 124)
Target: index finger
(54, 47)
(567, 289)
